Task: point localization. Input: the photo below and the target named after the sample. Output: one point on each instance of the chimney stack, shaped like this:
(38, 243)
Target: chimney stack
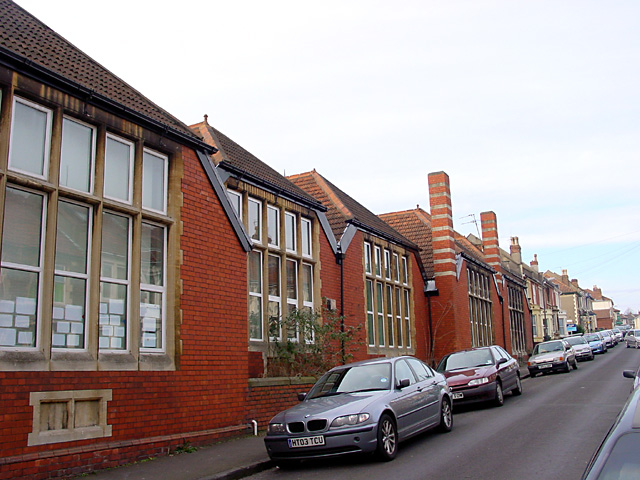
(534, 262)
(565, 276)
(516, 251)
(444, 253)
(597, 292)
(490, 241)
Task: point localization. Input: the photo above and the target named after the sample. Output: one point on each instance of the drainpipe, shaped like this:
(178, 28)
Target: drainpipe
(340, 261)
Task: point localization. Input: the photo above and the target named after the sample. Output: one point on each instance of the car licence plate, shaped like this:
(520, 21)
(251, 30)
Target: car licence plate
(457, 395)
(306, 441)
(544, 365)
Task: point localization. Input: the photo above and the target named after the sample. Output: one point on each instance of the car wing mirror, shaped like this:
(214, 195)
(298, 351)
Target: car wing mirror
(629, 374)
(403, 383)
(501, 361)
(302, 396)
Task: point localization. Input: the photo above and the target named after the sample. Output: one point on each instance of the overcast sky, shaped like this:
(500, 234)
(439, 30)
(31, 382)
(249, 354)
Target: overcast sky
(531, 107)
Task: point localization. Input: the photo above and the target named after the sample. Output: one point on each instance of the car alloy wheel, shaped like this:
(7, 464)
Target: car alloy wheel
(518, 388)
(499, 400)
(387, 438)
(446, 416)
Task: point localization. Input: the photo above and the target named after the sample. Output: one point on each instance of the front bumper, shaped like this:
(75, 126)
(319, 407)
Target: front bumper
(584, 355)
(360, 439)
(473, 394)
(553, 367)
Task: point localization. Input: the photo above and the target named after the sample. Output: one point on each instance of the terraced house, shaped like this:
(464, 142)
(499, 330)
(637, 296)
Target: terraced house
(119, 330)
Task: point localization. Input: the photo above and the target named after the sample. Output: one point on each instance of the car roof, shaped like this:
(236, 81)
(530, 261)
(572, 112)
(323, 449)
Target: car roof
(371, 361)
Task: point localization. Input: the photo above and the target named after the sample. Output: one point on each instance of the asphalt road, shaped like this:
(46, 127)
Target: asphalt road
(550, 432)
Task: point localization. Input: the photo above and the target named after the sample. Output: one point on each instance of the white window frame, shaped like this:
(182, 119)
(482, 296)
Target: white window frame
(28, 268)
(83, 276)
(396, 264)
(257, 202)
(273, 298)
(306, 237)
(367, 258)
(162, 290)
(388, 291)
(380, 315)
(165, 180)
(115, 138)
(397, 297)
(259, 295)
(47, 138)
(293, 301)
(238, 197)
(371, 324)
(288, 215)
(387, 264)
(377, 261)
(306, 303)
(405, 271)
(271, 209)
(126, 283)
(92, 160)
(407, 316)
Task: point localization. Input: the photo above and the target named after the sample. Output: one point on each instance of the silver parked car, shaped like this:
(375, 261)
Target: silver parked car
(581, 347)
(552, 356)
(367, 406)
(633, 339)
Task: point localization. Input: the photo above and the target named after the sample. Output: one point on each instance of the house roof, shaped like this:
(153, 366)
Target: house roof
(416, 226)
(565, 288)
(344, 210)
(29, 46)
(242, 163)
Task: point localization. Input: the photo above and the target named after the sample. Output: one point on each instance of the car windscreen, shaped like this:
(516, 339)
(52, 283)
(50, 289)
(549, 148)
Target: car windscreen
(548, 347)
(360, 378)
(624, 459)
(472, 358)
(592, 338)
(575, 340)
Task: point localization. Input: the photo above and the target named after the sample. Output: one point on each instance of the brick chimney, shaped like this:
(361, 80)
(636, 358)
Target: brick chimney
(565, 276)
(516, 251)
(534, 262)
(574, 282)
(597, 292)
(444, 253)
(490, 240)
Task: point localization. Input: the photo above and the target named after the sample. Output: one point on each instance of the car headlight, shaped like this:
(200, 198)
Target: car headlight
(354, 419)
(479, 381)
(277, 428)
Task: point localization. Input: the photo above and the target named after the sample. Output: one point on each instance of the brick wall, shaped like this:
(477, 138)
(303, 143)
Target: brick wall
(152, 412)
(268, 396)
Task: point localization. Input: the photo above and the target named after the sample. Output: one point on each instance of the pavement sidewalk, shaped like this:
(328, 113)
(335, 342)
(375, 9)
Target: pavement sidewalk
(228, 460)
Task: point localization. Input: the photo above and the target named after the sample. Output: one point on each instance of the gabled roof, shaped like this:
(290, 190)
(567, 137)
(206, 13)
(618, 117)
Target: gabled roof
(565, 288)
(30, 47)
(344, 210)
(246, 166)
(416, 226)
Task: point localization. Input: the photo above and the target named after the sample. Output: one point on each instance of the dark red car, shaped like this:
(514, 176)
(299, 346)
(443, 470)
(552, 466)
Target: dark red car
(482, 374)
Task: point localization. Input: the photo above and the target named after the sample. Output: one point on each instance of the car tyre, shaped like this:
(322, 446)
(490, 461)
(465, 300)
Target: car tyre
(532, 374)
(567, 367)
(498, 401)
(446, 416)
(387, 447)
(575, 364)
(518, 388)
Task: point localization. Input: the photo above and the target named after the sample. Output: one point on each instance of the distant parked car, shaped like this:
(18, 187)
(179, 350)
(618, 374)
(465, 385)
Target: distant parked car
(367, 406)
(595, 342)
(482, 374)
(617, 333)
(581, 347)
(618, 457)
(552, 356)
(608, 339)
(633, 339)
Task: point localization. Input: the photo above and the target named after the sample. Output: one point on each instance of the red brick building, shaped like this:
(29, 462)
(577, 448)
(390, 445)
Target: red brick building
(123, 269)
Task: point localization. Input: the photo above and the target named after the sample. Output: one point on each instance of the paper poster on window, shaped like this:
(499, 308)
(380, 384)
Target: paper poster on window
(58, 313)
(77, 327)
(104, 319)
(7, 337)
(115, 320)
(116, 342)
(73, 312)
(148, 340)
(151, 310)
(6, 320)
(149, 324)
(25, 338)
(107, 331)
(7, 306)
(26, 306)
(63, 327)
(73, 340)
(104, 342)
(104, 307)
(59, 340)
(116, 306)
(118, 331)
(22, 321)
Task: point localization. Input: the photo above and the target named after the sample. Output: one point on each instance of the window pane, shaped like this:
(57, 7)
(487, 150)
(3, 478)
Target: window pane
(274, 276)
(273, 226)
(255, 272)
(290, 231)
(153, 182)
(29, 139)
(306, 237)
(235, 200)
(367, 258)
(113, 316)
(275, 326)
(307, 283)
(255, 224)
(150, 319)
(292, 279)
(152, 255)
(72, 237)
(255, 317)
(115, 246)
(18, 308)
(22, 227)
(77, 155)
(69, 301)
(117, 170)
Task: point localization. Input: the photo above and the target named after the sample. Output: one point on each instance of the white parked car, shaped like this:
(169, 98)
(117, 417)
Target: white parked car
(633, 339)
(581, 347)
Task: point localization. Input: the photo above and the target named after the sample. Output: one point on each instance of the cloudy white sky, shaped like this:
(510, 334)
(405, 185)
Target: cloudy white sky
(531, 107)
